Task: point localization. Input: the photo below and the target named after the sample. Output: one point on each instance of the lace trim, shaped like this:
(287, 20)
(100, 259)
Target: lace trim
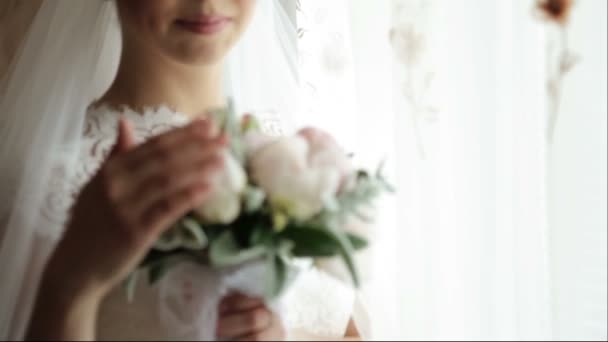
(99, 135)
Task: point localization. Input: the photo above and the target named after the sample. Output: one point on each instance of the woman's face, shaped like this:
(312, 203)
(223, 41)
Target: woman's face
(193, 32)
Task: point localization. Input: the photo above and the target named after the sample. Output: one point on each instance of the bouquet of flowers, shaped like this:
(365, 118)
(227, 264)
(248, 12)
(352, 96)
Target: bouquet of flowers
(277, 199)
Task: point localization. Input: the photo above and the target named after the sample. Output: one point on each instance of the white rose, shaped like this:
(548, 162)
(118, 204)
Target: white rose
(300, 175)
(223, 205)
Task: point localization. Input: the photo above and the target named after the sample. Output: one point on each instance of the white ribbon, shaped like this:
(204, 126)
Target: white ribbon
(191, 293)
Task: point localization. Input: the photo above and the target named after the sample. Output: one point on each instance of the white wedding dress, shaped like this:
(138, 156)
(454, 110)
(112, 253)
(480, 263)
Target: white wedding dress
(317, 305)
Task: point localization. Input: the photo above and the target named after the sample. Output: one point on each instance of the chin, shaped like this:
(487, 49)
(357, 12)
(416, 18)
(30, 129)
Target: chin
(209, 54)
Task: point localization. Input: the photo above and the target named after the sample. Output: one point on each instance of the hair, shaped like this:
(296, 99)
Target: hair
(16, 16)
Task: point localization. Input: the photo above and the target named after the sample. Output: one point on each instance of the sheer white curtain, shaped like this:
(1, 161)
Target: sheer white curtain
(455, 100)
(577, 182)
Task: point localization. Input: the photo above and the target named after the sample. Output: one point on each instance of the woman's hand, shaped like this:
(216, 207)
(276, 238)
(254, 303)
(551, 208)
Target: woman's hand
(242, 318)
(138, 193)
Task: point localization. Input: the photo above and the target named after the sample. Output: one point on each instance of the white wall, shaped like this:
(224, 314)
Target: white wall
(578, 184)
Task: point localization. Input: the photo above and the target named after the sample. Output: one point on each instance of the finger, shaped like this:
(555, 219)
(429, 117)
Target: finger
(238, 302)
(176, 160)
(252, 338)
(244, 323)
(162, 187)
(261, 336)
(200, 131)
(126, 138)
(164, 214)
(275, 332)
(166, 172)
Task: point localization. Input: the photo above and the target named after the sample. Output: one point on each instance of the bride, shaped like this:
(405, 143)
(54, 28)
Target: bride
(89, 182)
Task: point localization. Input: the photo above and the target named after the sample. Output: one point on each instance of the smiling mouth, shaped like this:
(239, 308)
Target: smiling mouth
(205, 25)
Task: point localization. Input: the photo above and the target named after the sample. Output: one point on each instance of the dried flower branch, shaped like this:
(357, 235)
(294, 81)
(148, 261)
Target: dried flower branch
(409, 46)
(557, 11)
(560, 58)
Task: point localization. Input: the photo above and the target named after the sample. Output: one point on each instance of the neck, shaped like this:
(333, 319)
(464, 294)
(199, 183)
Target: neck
(144, 82)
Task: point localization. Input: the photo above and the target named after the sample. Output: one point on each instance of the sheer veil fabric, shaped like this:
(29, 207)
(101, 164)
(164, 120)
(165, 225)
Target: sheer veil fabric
(15, 18)
(68, 58)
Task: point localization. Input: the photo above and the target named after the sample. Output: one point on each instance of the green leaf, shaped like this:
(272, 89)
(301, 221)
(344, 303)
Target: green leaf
(253, 199)
(281, 271)
(156, 272)
(153, 257)
(311, 242)
(230, 125)
(388, 187)
(285, 250)
(346, 252)
(233, 130)
(381, 179)
(185, 234)
(261, 235)
(363, 217)
(192, 234)
(365, 191)
(225, 251)
(317, 242)
(130, 285)
(357, 242)
(163, 264)
(169, 240)
(277, 278)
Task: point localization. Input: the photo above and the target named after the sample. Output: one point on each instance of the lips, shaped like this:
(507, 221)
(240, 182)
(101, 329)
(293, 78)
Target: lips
(206, 25)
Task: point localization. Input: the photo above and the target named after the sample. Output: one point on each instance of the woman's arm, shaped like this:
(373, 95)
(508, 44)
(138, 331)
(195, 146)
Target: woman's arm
(62, 313)
(114, 223)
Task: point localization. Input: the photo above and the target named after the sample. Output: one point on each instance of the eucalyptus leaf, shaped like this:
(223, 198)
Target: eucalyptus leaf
(233, 129)
(277, 269)
(357, 242)
(159, 268)
(261, 235)
(364, 218)
(169, 240)
(153, 257)
(192, 235)
(346, 252)
(186, 234)
(380, 169)
(281, 276)
(388, 187)
(284, 249)
(156, 272)
(363, 193)
(130, 285)
(254, 198)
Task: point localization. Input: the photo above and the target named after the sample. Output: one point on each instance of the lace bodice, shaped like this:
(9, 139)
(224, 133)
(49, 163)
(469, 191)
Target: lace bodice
(317, 304)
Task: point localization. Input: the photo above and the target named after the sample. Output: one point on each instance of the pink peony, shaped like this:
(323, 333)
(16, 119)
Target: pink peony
(300, 174)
